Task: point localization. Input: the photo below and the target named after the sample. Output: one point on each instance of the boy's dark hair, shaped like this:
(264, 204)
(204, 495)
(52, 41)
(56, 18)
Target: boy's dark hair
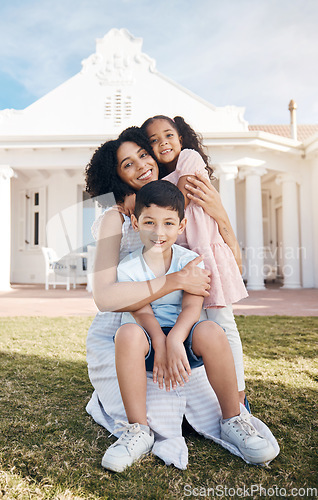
(190, 139)
(101, 172)
(161, 193)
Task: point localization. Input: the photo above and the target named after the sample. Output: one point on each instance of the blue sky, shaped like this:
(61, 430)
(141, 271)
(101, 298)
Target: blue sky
(258, 54)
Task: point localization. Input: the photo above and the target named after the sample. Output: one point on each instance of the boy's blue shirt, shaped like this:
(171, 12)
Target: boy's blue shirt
(134, 268)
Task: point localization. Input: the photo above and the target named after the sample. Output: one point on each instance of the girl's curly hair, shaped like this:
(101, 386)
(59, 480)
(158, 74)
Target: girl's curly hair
(101, 172)
(190, 139)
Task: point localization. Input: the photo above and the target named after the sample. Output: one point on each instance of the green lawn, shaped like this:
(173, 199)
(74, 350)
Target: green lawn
(50, 447)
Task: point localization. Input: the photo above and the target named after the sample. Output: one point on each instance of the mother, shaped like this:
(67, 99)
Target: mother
(115, 238)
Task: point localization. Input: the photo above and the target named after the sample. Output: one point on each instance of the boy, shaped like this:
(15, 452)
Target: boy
(167, 337)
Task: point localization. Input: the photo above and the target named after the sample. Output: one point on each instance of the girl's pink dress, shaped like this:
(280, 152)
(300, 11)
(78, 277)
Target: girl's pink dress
(202, 236)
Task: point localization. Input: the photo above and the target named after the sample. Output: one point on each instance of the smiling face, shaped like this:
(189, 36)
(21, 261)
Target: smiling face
(158, 228)
(135, 167)
(165, 142)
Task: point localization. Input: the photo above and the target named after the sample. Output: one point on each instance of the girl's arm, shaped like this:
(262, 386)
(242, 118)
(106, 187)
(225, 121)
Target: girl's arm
(200, 191)
(130, 296)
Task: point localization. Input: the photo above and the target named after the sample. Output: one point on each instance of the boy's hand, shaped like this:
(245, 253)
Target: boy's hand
(178, 364)
(160, 368)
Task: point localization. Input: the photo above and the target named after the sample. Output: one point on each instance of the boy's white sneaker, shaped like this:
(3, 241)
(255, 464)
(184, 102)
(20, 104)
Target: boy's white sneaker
(132, 445)
(254, 447)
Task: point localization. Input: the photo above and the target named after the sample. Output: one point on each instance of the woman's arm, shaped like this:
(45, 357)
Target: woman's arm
(109, 295)
(201, 192)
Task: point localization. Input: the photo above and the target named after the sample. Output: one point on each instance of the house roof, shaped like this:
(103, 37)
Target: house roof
(303, 131)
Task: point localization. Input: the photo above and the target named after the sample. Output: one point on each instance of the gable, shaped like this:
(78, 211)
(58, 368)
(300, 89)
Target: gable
(118, 86)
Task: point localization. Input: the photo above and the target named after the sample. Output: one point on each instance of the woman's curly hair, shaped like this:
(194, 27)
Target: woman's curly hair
(101, 172)
(190, 139)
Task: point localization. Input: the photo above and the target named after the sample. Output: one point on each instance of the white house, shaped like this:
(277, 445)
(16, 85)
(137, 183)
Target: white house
(267, 175)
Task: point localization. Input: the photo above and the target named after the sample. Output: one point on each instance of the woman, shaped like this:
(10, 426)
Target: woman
(165, 410)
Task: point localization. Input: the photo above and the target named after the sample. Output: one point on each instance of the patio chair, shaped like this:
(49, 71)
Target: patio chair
(54, 267)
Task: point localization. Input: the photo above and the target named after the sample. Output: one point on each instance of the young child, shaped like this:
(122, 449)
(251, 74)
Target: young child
(169, 337)
(178, 149)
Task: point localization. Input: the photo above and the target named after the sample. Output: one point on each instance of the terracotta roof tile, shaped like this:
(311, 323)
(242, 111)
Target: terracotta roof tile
(303, 131)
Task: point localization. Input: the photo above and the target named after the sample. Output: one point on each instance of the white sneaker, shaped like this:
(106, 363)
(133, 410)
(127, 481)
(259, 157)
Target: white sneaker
(132, 444)
(241, 432)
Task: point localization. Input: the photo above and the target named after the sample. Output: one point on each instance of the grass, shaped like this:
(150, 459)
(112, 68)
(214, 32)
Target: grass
(51, 449)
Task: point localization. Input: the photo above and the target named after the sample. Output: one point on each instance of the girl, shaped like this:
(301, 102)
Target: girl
(107, 173)
(179, 152)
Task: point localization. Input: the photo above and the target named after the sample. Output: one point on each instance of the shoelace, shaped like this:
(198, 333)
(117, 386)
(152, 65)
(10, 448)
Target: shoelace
(246, 426)
(128, 432)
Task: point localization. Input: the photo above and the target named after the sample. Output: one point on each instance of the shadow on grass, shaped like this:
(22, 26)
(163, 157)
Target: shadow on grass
(48, 438)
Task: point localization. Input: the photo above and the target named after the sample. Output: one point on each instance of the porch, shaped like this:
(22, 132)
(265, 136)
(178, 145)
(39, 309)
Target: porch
(34, 300)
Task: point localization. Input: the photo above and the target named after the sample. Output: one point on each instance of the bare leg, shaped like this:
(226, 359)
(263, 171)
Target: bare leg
(210, 342)
(131, 347)
(242, 397)
(224, 316)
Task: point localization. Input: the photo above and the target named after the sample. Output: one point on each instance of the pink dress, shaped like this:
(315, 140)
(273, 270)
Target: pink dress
(202, 236)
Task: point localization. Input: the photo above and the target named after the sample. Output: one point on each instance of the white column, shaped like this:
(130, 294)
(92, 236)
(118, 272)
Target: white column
(6, 173)
(307, 228)
(254, 244)
(314, 211)
(227, 174)
(290, 223)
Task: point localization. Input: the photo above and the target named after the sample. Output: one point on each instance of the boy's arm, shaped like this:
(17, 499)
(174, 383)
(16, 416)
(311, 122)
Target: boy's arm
(145, 317)
(178, 363)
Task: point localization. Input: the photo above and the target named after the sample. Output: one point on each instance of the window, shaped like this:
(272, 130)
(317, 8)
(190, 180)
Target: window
(32, 218)
(35, 229)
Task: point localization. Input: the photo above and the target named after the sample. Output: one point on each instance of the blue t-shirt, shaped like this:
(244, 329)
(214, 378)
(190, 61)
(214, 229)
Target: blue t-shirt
(134, 268)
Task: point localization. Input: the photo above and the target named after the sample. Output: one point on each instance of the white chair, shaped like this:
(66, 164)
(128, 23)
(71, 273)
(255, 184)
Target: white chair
(54, 267)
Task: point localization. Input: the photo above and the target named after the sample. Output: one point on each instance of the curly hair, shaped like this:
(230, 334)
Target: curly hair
(101, 172)
(190, 139)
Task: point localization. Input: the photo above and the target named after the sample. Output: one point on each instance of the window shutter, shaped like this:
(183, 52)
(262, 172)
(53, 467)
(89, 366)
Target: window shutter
(42, 215)
(22, 220)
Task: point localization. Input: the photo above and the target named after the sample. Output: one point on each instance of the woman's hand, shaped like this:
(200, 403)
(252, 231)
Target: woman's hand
(201, 192)
(194, 279)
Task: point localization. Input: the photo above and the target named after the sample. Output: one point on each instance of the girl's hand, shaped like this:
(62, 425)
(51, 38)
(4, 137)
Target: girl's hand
(204, 194)
(194, 279)
(178, 364)
(128, 206)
